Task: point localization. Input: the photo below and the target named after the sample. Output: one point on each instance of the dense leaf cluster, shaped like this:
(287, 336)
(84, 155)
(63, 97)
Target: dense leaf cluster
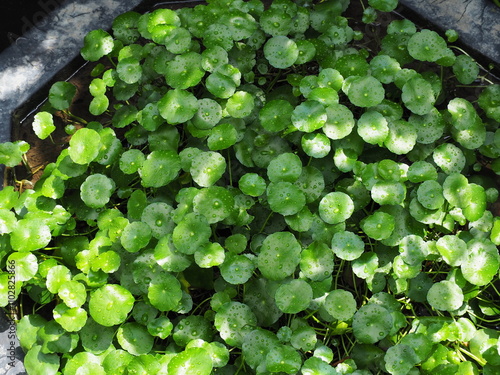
(266, 193)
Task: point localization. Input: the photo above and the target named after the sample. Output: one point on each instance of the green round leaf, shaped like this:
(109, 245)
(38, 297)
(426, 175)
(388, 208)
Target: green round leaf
(71, 319)
(131, 160)
(43, 124)
(96, 190)
(84, 146)
(96, 44)
(340, 304)
(294, 296)
(222, 137)
(316, 145)
(192, 232)
(281, 52)
(418, 96)
(371, 323)
(110, 304)
(236, 269)
(135, 236)
(482, 262)
(30, 235)
(207, 168)
(340, 121)
(279, 255)
(208, 115)
(184, 71)
(61, 95)
(215, 203)
(275, 115)
(25, 265)
(402, 137)
(453, 249)
(209, 255)
(166, 293)
(256, 346)
(234, 320)
(347, 245)
(134, 338)
(177, 106)
(283, 358)
(400, 359)
(430, 194)
(285, 167)
(372, 127)
(488, 101)
(191, 361)
(427, 45)
(445, 295)
(365, 91)
(309, 116)
(72, 293)
(378, 225)
(384, 5)
(159, 217)
(285, 198)
(252, 184)
(335, 207)
(449, 158)
(465, 69)
(38, 362)
(240, 104)
(160, 168)
(129, 70)
(96, 338)
(316, 261)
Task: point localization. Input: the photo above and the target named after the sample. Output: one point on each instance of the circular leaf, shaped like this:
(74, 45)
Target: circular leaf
(294, 296)
(279, 255)
(96, 190)
(309, 116)
(96, 44)
(134, 338)
(191, 361)
(110, 304)
(285, 198)
(207, 168)
(418, 96)
(281, 52)
(240, 104)
(135, 236)
(177, 106)
(252, 184)
(43, 124)
(347, 245)
(215, 203)
(365, 91)
(372, 127)
(165, 294)
(84, 146)
(378, 225)
(30, 235)
(160, 168)
(371, 323)
(335, 207)
(340, 304)
(430, 194)
(445, 295)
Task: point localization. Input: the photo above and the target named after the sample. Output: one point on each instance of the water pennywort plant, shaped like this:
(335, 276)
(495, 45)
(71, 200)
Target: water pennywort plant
(261, 190)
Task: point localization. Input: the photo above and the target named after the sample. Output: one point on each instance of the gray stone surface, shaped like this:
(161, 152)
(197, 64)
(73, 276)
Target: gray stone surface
(35, 58)
(476, 21)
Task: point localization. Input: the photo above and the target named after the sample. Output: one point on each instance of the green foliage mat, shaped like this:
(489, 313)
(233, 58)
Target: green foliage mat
(262, 191)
